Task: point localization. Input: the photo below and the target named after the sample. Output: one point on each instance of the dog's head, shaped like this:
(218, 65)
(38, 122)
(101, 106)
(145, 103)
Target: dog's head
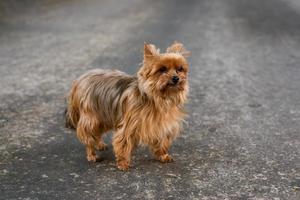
(164, 74)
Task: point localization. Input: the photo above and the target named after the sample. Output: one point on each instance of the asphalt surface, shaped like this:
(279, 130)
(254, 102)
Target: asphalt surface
(241, 140)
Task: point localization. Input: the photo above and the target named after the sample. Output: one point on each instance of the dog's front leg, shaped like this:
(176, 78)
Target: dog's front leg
(160, 150)
(123, 147)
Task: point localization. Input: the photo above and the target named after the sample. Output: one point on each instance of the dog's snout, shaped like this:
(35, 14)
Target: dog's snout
(175, 79)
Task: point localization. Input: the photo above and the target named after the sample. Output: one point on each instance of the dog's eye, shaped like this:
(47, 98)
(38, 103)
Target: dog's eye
(163, 69)
(179, 69)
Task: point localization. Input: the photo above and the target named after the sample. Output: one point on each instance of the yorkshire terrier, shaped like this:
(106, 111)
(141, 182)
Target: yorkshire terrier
(142, 109)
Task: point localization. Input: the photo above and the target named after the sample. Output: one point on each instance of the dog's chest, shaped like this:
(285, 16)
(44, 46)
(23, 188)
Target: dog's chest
(155, 126)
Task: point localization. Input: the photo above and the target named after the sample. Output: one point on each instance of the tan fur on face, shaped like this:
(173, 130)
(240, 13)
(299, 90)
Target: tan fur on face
(147, 109)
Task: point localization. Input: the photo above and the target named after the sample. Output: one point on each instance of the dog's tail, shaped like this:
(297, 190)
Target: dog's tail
(68, 121)
(72, 110)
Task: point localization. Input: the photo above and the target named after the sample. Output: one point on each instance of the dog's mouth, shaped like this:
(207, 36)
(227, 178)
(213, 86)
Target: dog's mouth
(170, 86)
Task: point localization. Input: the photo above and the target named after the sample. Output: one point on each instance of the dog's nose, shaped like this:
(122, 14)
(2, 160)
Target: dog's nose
(175, 79)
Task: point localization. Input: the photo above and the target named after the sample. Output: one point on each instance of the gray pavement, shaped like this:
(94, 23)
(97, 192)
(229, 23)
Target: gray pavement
(241, 140)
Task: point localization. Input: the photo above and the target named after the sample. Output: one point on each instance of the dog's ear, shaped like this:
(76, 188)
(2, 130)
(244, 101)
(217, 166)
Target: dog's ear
(177, 47)
(150, 51)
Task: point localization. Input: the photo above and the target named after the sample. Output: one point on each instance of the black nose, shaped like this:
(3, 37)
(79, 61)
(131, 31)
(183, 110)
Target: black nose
(175, 79)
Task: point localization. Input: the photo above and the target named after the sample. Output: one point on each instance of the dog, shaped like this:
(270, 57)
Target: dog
(146, 109)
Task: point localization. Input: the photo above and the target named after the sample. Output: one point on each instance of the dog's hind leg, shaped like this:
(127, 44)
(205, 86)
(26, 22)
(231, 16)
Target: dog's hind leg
(91, 153)
(88, 133)
(100, 145)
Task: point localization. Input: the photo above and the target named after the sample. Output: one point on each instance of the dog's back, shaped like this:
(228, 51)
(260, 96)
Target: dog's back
(98, 92)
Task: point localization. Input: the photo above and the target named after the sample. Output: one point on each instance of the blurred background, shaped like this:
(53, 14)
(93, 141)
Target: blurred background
(241, 140)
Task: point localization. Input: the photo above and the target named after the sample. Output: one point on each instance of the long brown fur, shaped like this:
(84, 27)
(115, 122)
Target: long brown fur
(143, 109)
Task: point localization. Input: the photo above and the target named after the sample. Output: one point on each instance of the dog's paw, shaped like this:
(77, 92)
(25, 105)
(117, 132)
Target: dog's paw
(92, 158)
(123, 165)
(166, 158)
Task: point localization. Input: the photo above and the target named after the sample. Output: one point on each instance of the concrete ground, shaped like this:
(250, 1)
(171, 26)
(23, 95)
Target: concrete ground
(241, 140)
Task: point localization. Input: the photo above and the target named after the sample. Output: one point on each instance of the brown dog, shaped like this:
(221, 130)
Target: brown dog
(143, 109)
